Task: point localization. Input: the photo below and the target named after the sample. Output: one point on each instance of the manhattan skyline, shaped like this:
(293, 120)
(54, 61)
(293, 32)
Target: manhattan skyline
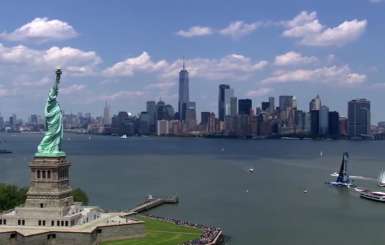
(129, 53)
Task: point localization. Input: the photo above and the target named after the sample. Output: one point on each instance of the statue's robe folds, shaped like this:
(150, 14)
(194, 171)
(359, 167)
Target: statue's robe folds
(51, 142)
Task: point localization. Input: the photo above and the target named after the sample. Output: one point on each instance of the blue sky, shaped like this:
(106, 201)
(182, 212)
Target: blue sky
(128, 52)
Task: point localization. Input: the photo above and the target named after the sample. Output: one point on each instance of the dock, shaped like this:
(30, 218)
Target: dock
(151, 203)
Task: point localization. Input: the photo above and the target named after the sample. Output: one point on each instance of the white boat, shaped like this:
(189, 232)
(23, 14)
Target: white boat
(251, 170)
(124, 136)
(381, 179)
(321, 154)
(373, 195)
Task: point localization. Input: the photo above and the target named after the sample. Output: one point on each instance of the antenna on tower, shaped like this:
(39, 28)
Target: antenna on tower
(184, 67)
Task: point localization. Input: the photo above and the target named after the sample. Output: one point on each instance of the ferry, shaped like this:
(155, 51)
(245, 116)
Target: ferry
(378, 196)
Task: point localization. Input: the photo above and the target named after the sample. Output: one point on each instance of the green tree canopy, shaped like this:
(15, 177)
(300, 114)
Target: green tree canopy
(11, 196)
(80, 196)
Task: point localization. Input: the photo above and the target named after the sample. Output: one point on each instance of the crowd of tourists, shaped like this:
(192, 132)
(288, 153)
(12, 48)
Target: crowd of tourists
(209, 232)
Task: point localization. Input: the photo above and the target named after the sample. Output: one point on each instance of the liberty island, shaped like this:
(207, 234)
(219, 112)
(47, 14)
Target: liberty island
(50, 215)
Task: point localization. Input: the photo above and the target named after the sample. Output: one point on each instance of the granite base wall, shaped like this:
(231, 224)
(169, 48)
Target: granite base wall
(101, 234)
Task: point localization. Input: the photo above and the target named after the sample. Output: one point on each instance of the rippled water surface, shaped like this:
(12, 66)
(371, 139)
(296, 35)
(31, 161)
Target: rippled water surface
(211, 178)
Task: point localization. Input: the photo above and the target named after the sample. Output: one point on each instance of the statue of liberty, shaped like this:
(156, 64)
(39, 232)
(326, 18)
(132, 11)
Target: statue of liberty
(50, 145)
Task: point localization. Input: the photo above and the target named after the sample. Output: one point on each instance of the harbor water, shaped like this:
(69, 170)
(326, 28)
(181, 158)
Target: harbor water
(214, 184)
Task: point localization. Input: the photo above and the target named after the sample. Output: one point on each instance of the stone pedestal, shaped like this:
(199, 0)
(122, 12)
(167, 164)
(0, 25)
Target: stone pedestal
(49, 198)
(50, 186)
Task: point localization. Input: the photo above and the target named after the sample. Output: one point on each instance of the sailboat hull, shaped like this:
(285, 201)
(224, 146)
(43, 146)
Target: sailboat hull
(340, 184)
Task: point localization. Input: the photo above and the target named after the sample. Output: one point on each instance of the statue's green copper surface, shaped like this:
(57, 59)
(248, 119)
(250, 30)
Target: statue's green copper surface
(50, 145)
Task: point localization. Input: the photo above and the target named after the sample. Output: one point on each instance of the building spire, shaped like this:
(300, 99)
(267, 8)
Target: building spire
(184, 66)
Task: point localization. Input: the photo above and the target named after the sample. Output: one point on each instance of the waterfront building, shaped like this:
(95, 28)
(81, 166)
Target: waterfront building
(123, 123)
(144, 123)
(205, 116)
(2, 124)
(324, 121)
(151, 111)
(334, 126)
(230, 125)
(244, 106)
(315, 104)
(190, 119)
(314, 120)
(233, 106)
(107, 114)
(208, 122)
(343, 126)
(243, 126)
(162, 128)
(224, 101)
(184, 96)
(300, 118)
(359, 118)
(307, 126)
(174, 127)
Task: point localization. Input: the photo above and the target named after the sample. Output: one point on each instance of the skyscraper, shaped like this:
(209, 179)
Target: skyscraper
(224, 101)
(314, 123)
(107, 114)
(265, 105)
(184, 96)
(285, 102)
(359, 117)
(324, 121)
(190, 119)
(271, 104)
(334, 127)
(315, 104)
(233, 106)
(151, 111)
(244, 106)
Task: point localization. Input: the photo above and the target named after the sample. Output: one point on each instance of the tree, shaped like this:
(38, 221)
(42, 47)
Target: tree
(11, 196)
(80, 196)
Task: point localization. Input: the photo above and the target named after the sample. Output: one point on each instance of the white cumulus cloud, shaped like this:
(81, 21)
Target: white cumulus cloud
(195, 31)
(307, 28)
(258, 92)
(141, 63)
(293, 58)
(338, 75)
(239, 29)
(74, 61)
(234, 66)
(41, 29)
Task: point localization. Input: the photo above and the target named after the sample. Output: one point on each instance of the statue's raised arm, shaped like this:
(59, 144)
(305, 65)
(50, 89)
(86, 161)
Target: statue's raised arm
(50, 145)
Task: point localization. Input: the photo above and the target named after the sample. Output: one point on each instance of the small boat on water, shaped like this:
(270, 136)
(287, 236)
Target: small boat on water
(377, 196)
(124, 136)
(2, 151)
(381, 179)
(251, 170)
(343, 179)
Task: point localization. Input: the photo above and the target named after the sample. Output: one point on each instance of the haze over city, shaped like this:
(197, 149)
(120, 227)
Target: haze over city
(130, 52)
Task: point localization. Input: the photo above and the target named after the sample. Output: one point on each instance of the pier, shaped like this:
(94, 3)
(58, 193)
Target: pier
(151, 203)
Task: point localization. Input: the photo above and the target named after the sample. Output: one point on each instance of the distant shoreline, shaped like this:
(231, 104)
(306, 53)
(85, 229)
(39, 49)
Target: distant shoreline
(286, 138)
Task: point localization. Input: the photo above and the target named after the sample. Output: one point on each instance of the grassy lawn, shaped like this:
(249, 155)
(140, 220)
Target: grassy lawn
(161, 233)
